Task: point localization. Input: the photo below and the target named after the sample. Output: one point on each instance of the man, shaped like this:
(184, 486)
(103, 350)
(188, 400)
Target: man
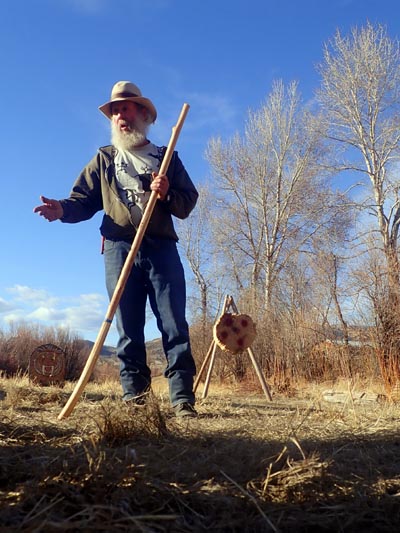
(119, 180)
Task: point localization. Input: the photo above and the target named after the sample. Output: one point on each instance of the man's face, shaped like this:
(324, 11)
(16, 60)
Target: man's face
(128, 125)
(124, 115)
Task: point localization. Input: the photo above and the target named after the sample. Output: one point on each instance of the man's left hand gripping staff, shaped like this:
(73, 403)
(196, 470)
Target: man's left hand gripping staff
(50, 209)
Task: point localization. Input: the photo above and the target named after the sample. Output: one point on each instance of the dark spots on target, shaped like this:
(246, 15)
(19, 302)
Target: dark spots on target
(228, 321)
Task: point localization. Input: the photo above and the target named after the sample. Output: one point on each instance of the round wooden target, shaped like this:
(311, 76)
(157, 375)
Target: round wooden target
(47, 365)
(234, 333)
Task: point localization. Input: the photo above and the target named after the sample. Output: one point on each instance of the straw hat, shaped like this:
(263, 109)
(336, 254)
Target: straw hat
(125, 90)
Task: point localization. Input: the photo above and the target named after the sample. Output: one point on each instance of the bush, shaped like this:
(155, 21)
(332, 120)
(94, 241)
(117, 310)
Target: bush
(22, 340)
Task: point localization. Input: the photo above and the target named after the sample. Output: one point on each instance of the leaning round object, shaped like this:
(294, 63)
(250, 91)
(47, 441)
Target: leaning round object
(234, 333)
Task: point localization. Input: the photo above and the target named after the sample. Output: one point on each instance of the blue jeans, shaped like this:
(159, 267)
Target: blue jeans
(157, 274)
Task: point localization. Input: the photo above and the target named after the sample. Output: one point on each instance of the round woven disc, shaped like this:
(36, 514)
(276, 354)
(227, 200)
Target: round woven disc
(234, 333)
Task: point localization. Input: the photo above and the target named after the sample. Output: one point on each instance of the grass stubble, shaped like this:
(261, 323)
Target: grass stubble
(246, 464)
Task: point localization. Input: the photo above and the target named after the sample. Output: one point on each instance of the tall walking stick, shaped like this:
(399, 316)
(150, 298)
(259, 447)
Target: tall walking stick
(123, 278)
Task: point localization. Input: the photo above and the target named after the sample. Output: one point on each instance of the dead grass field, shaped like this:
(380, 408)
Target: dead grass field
(246, 464)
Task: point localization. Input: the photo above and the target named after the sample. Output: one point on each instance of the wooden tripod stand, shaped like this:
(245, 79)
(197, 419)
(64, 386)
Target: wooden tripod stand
(210, 357)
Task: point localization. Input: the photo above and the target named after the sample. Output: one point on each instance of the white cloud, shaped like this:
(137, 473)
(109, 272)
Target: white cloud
(5, 306)
(23, 293)
(207, 112)
(213, 107)
(82, 314)
(87, 313)
(44, 314)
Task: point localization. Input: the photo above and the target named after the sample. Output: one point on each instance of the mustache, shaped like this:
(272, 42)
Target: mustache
(134, 136)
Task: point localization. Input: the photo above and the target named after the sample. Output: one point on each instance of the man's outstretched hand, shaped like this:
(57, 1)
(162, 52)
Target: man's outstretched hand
(50, 209)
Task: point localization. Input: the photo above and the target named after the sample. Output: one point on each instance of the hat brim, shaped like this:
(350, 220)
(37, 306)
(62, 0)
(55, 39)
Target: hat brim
(145, 102)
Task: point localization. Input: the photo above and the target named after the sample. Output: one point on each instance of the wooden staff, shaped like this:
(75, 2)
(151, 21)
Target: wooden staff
(210, 353)
(123, 278)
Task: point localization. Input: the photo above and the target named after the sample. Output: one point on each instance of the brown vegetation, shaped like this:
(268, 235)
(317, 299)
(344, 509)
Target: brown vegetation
(17, 346)
(244, 465)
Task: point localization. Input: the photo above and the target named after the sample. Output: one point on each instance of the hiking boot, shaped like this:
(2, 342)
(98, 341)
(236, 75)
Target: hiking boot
(185, 409)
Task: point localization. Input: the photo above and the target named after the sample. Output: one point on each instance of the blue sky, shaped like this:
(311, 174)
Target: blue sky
(59, 60)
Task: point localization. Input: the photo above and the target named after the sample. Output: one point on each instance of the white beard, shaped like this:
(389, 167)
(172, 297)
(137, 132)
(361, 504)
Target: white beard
(127, 140)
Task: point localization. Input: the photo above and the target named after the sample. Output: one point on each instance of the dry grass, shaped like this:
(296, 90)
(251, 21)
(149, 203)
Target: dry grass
(245, 465)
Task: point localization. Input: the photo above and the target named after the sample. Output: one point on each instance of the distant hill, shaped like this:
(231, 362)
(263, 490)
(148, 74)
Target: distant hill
(154, 350)
(107, 351)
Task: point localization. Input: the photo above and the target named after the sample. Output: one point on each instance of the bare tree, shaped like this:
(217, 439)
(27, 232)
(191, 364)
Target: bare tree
(196, 243)
(273, 193)
(238, 232)
(360, 95)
